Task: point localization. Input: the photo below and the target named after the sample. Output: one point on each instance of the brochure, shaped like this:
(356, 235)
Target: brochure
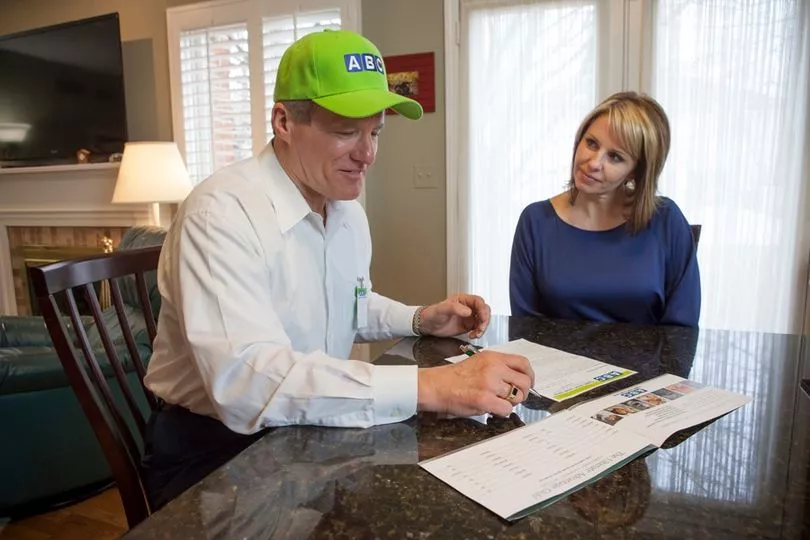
(530, 467)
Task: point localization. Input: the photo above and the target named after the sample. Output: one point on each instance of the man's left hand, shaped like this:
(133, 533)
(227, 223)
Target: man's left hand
(461, 313)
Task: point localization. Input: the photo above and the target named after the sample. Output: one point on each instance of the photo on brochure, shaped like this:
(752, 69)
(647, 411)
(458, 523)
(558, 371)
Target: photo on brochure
(685, 387)
(667, 394)
(622, 410)
(637, 405)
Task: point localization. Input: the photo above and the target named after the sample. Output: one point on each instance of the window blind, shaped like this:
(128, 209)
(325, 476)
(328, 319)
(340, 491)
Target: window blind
(215, 80)
(278, 33)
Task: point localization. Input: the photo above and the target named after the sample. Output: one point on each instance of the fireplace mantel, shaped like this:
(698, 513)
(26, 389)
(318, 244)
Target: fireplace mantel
(50, 169)
(66, 196)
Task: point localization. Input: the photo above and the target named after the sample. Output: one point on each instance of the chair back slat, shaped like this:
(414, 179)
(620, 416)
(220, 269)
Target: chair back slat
(96, 373)
(128, 486)
(117, 367)
(143, 295)
(135, 357)
(119, 438)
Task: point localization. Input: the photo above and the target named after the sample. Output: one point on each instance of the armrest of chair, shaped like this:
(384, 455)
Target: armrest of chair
(24, 332)
(28, 331)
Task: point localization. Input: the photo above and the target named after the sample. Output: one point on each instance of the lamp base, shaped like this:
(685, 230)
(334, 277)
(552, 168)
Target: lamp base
(154, 214)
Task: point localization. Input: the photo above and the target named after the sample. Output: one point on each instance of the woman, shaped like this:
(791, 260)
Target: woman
(608, 249)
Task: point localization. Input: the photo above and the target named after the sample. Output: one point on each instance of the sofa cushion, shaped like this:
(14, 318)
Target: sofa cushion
(23, 332)
(38, 368)
(110, 320)
(19, 331)
(138, 237)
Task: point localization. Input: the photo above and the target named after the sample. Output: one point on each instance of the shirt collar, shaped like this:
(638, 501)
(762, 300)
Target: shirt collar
(290, 205)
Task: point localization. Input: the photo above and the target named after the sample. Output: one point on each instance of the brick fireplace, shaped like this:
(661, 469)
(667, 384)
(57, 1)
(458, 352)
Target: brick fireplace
(35, 246)
(53, 213)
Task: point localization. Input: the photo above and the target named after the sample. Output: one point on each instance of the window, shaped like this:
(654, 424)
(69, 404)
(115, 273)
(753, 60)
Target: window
(223, 58)
(527, 80)
(215, 82)
(733, 79)
(278, 33)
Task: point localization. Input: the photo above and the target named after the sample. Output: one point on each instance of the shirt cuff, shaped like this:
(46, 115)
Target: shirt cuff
(402, 320)
(395, 393)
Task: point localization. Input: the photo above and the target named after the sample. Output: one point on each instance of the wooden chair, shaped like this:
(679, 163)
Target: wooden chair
(119, 431)
(696, 233)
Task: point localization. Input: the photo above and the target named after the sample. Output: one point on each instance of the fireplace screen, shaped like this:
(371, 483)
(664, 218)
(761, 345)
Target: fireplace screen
(34, 256)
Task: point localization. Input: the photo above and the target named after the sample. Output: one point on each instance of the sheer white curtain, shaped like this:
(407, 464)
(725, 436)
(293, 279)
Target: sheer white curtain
(530, 70)
(732, 76)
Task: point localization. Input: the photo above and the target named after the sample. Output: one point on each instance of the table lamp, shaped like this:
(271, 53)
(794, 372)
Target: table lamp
(151, 172)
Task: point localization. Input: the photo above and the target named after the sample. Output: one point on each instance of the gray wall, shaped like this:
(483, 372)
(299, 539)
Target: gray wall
(408, 224)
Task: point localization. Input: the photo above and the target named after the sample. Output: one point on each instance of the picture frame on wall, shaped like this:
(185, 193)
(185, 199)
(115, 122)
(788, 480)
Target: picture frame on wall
(413, 76)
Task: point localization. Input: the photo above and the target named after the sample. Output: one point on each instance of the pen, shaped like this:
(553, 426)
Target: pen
(469, 349)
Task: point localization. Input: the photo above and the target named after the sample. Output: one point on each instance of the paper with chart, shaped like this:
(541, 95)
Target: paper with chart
(533, 466)
(521, 471)
(559, 375)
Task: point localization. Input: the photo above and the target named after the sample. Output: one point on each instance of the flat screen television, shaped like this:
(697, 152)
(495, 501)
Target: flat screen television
(61, 92)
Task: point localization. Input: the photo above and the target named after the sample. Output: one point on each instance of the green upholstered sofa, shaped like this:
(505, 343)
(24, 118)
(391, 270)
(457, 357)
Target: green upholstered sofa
(49, 454)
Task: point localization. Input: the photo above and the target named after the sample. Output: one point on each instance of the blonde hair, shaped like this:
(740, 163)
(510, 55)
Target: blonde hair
(642, 129)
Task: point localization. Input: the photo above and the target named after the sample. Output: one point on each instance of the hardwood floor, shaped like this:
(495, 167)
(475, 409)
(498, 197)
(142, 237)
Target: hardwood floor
(99, 518)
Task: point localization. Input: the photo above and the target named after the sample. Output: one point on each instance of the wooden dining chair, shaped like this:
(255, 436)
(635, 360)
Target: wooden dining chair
(119, 423)
(696, 233)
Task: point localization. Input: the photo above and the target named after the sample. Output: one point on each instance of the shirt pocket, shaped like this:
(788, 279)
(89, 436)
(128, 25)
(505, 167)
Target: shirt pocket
(346, 260)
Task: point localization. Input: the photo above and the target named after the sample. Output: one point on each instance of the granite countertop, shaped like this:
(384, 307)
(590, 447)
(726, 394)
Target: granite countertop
(742, 476)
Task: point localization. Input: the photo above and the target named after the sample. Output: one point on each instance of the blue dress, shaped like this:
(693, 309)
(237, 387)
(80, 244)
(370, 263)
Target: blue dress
(561, 271)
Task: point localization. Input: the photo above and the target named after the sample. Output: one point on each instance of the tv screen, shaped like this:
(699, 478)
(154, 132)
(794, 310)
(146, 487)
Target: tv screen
(61, 93)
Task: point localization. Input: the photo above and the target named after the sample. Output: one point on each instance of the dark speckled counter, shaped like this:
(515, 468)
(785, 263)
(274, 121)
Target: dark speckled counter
(743, 476)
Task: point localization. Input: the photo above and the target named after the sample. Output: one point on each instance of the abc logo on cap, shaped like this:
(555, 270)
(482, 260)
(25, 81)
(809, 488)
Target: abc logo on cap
(363, 62)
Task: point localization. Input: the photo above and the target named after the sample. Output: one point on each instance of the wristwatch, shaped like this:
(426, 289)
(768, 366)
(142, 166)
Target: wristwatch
(416, 323)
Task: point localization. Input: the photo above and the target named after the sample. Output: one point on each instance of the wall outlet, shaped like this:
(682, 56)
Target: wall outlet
(424, 177)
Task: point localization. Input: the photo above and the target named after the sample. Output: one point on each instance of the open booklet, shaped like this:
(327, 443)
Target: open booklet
(530, 467)
(559, 375)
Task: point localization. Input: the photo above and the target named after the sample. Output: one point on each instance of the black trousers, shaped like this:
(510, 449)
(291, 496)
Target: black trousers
(182, 448)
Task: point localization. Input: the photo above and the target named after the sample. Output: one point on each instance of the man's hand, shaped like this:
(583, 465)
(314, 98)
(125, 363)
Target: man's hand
(458, 314)
(477, 385)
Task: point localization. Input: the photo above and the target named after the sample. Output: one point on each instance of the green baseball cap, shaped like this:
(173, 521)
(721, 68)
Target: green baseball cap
(342, 72)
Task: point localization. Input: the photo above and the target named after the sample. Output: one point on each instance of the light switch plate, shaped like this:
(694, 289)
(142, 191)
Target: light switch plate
(424, 177)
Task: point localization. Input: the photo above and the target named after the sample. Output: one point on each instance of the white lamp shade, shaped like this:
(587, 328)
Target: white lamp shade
(151, 172)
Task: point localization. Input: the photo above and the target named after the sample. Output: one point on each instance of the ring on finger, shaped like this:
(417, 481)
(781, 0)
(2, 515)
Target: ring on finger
(512, 394)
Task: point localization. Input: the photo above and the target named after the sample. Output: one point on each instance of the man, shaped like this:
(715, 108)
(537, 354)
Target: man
(265, 283)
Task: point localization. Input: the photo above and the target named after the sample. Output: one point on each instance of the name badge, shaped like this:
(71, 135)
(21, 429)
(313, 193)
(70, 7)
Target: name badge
(361, 304)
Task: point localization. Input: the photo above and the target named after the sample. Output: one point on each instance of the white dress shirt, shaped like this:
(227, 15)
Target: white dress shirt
(258, 313)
